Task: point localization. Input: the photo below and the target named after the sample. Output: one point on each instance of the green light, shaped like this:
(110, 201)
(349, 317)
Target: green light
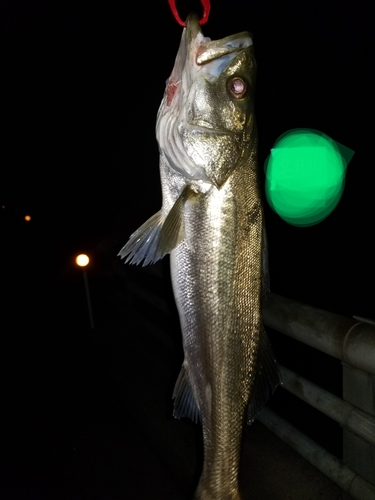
(305, 176)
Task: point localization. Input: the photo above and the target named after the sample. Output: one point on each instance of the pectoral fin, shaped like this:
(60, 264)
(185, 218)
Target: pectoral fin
(184, 401)
(143, 244)
(267, 379)
(157, 236)
(172, 232)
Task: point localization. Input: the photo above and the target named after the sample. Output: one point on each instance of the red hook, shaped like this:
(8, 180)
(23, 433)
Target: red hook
(206, 10)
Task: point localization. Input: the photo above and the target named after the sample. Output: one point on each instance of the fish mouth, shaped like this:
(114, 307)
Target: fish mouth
(216, 49)
(208, 49)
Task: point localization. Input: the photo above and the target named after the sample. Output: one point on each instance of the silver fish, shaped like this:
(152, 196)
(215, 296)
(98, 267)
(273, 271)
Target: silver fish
(211, 222)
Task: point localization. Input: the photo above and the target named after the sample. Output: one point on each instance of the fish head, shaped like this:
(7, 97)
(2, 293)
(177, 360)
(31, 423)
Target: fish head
(205, 122)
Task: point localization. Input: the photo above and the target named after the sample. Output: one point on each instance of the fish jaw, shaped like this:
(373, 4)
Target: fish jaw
(201, 129)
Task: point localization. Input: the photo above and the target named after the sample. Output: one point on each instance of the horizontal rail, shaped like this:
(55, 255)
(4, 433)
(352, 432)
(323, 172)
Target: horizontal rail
(365, 320)
(350, 340)
(148, 296)
(343, 338)
(347, 415)
(348, 480)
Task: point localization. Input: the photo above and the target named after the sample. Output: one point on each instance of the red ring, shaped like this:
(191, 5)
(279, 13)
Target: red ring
(206, 10)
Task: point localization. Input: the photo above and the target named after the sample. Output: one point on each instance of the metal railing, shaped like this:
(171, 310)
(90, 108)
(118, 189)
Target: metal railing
(353, 342)
(347, 339)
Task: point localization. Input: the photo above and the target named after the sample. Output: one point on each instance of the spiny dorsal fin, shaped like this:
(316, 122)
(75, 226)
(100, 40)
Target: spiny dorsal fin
(155, 238)
(267, 379)
(184, 401)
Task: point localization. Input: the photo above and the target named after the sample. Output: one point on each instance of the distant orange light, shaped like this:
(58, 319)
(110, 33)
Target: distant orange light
(2, 206)
(27, 217)
(82, 260)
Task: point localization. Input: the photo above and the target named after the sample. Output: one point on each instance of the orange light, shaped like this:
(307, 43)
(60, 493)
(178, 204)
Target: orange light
(27, 217)
(82, 260)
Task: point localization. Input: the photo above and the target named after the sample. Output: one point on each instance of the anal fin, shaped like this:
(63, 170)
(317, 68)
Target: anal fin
(268, 377)
(184, 401)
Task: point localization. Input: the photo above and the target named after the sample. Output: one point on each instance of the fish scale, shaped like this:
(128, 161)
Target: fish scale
(211, 223)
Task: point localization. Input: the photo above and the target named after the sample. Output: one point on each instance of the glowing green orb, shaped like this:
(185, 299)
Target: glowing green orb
(305, 176)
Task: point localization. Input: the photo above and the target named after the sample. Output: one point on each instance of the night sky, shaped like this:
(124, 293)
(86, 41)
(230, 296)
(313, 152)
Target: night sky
(81, 82)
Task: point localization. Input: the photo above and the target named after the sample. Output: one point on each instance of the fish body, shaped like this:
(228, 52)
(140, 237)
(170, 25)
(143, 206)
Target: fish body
(211, 223)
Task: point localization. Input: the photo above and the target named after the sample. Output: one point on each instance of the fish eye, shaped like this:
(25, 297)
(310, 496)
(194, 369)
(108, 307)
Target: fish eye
(237, 87)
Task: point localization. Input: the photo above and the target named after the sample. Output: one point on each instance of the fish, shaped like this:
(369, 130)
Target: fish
(212, 225)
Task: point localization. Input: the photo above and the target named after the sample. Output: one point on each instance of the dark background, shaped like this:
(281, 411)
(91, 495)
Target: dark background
(80, 86)
(81, 83)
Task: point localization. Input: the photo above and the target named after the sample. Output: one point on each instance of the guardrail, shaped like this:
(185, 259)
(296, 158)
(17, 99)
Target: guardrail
(353, 342)
(350, 340)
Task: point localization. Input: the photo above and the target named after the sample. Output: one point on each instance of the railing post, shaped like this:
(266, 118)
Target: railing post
(359, 390)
